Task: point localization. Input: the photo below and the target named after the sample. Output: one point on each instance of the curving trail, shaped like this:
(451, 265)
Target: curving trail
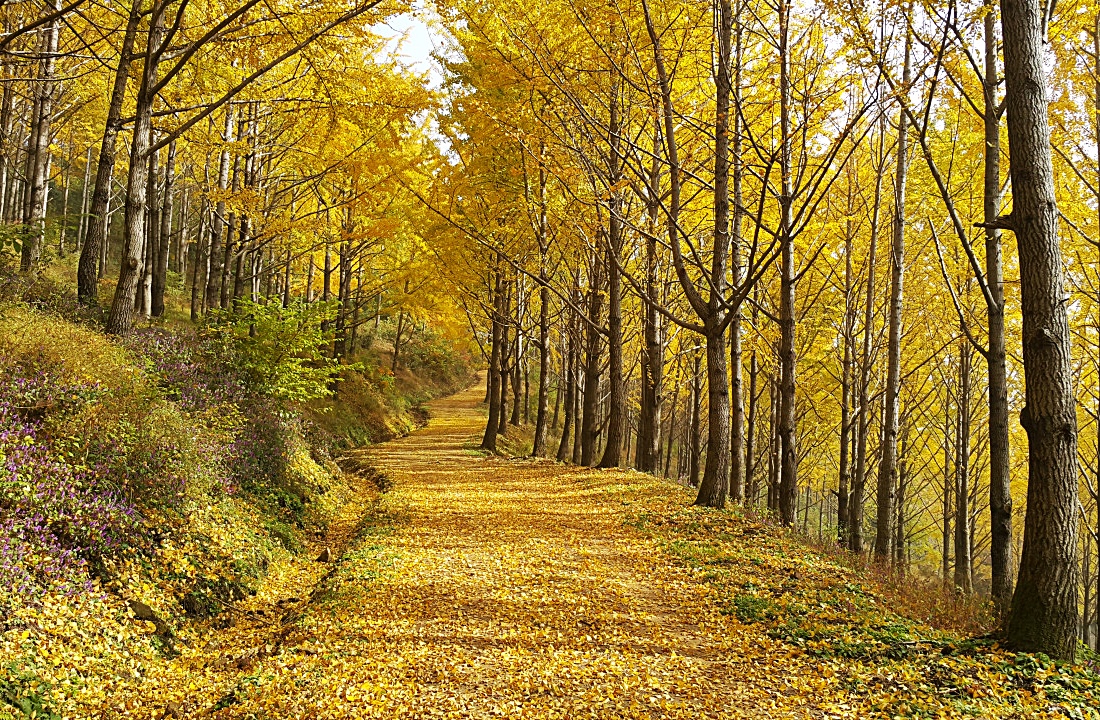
(495, 588)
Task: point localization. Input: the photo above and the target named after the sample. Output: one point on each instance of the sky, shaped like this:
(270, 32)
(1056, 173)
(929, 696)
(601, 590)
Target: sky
(412, 37)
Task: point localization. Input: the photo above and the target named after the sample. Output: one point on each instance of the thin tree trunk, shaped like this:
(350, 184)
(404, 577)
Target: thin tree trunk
(95, 239)
(694, 459)
(201, 264)
(737, 398)
(39, 152)
(590, 429)
(963, 578)
(855, 505)
(570, 401)
(121, 317)
(887, 474)
(1000, 495)
(788, 448)
(489, 439)
(217, 224)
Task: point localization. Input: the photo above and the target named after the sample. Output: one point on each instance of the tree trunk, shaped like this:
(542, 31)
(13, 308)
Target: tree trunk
(589, 424)
(121, 318)
(863, 420)
(963, 561)
(39, 151)
(1000, 495)
(714, 488)
(160, 274)
(847, 331)
(788, 438)
(695, 438)
(617, 390)
(948, 484)
(752, 481)
(201, 265)
(217, 224)
(647, 456)
(543, 400)
(489, 439)
(96, 235)
(737, 398)
(1044, 605)
(888, 464)
(569, 401)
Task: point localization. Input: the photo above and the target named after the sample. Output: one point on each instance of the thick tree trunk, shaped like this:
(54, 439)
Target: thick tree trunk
(1044, 605)
(714, 488)
(888, 464)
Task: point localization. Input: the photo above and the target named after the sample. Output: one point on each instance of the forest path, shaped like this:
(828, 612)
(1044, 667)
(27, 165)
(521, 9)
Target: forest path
(505, 588)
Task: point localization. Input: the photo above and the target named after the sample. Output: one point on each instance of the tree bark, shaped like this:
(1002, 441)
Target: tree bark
(863, 416)
(96, 234)
(737, 398)
(39, 151)
(589, 423)
(695, 438)
(616, 388)
(1044, 605)
(788, 438)
(847, 332)
(217, 224)
(164, 234)
(121, 317)
(489, 439)
(888, 464)
(963, 561)
(1000, 495)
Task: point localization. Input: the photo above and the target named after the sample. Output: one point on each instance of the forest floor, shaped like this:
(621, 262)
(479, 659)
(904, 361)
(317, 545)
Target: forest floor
(486, 587)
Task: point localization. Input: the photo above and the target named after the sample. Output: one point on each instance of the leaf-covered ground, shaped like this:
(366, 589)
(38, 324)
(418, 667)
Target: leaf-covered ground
(483, 587)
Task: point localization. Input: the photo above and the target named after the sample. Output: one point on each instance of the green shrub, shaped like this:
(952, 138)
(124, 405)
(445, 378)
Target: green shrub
(280, 350)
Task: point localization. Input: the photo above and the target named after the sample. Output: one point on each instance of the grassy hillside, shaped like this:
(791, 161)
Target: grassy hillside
(156, 487)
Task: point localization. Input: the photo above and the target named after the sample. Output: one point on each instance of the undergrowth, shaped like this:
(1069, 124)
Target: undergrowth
(175, 468)
(885, 652)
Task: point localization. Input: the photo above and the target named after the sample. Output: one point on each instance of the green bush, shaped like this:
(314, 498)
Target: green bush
(280, 351)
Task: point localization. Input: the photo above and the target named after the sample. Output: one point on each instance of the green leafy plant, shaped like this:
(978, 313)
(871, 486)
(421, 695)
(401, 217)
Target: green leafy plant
(280, 350)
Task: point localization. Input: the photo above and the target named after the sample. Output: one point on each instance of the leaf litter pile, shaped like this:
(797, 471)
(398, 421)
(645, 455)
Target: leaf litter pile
(484, 587)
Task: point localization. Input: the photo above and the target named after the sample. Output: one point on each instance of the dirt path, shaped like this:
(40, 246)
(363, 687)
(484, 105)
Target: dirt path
(495, 588)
